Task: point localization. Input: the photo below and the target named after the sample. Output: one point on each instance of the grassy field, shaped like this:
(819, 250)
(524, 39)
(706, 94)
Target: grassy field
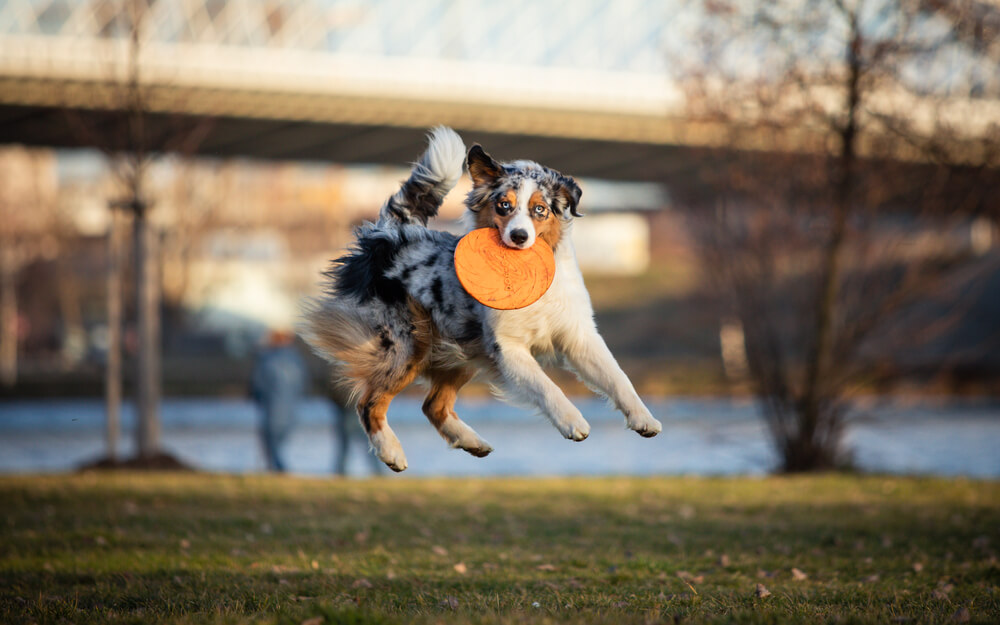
(132, 548)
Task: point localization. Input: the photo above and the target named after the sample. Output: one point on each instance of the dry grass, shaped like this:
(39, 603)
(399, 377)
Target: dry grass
(133, 548)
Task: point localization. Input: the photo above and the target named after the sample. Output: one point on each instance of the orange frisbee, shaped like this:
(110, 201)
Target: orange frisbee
(502, 277)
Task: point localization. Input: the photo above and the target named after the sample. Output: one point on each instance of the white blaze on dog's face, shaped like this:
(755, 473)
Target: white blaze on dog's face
(523, 200)
(515, 224)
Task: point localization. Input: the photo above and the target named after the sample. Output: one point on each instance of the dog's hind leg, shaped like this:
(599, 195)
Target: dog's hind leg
(439, 406)
(372, 410)
(400, 361)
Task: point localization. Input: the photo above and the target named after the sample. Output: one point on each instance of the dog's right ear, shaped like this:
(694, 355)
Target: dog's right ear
(483, 169)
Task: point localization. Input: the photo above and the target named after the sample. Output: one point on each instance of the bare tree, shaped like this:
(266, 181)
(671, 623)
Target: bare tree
(857, 113)
(132, 138)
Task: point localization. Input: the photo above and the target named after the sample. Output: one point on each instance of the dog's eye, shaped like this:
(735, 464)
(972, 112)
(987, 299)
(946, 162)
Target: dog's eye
(503, 206)
(539, 210)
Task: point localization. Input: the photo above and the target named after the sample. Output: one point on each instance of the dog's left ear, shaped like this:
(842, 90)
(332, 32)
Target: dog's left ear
(568, 193)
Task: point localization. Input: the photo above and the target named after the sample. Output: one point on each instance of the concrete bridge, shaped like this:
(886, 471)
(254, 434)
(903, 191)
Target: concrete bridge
(347, 81)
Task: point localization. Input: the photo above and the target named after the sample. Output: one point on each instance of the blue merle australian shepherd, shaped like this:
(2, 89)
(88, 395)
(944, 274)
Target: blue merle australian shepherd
(394, 310)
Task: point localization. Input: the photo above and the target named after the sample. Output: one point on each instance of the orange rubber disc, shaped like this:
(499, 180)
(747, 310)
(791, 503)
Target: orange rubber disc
(502, 277)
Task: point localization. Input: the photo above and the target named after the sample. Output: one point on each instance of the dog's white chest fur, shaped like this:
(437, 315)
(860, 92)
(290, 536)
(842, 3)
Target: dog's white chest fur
(562, 311)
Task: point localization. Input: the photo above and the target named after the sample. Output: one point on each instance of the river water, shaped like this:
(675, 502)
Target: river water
(700, 437)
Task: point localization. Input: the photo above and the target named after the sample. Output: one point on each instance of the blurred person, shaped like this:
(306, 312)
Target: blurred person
(277, 385)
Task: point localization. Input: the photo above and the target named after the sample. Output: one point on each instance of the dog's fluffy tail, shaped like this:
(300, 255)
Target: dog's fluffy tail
(433, 176)
(342, 335)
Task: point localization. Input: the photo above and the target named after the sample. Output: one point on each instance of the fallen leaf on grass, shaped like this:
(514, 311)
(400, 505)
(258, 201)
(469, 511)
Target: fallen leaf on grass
(316, 620)
(918, 566)
(185, 543)
(461, 569)
(799, 576)
(761, 592)
(942, 591)
(546, 567)
(691, 578)
(765, 574)
(871, 579)
(361, 583)
(438, 549)
(723, 560)
(449, 602)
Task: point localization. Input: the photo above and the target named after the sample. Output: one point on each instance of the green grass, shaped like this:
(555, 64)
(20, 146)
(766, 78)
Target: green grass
(132, 548)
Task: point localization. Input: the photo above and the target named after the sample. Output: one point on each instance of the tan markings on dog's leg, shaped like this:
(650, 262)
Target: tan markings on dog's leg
(439, 406)
(374, 404)
(372, 410)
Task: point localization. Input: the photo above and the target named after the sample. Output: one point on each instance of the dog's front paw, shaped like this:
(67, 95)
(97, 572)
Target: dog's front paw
(460, 436)
(644, 424)
(388, 449)
(574, 427)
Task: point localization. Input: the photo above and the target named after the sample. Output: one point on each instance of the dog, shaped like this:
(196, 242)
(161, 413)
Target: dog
(393, 309)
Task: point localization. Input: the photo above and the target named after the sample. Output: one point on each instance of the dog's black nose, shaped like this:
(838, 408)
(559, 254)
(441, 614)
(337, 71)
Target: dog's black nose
(518, 236)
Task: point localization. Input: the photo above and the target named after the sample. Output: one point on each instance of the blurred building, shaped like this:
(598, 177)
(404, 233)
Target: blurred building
(287, 123)
(242, 242)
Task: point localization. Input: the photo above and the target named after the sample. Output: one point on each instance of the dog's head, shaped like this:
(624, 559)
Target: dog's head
(523, 200)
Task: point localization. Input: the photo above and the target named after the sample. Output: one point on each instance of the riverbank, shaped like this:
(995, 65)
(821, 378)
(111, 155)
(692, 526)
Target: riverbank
(701, 437)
